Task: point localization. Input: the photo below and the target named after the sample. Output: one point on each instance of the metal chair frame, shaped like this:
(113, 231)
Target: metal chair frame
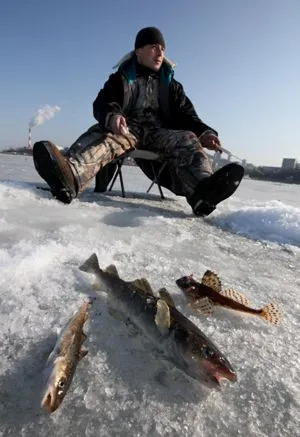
(139, 154)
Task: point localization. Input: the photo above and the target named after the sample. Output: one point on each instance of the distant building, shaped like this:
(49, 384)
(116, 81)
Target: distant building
(267, 169)
(289, 163)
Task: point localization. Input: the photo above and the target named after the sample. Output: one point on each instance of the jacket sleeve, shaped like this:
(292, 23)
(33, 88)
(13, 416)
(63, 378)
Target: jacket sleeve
(183, 112)
(109, 100)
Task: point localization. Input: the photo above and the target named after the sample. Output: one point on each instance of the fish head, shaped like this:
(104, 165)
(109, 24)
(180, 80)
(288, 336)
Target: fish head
(216, 366)
(204, 362)
(57, 388)
(187, 284)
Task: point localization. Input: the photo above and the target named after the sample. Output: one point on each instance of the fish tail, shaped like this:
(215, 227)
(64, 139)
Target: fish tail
(91, 265)
(271, 313)
(90, 300)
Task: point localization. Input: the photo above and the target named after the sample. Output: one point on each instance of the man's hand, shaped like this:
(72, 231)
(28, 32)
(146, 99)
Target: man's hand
(211, 141)
(119, 125)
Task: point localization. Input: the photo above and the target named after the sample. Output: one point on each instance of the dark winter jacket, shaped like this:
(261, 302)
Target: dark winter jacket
(118, 96)
(176, 112)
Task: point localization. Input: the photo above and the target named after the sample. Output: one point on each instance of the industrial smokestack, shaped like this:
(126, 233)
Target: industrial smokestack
(43, 114)
(29, 146)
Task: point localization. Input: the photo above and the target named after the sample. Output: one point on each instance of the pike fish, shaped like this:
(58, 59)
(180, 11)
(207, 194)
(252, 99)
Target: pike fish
(182, 342)
(64, 358)
(203, 296)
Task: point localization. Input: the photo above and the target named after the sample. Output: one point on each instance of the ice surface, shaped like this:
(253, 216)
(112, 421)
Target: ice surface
(124, 387)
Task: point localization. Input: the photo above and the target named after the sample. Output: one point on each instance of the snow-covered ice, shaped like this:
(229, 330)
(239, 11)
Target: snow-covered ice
(124, 387)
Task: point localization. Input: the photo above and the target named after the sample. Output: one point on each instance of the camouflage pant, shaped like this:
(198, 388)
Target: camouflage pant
(181, 149)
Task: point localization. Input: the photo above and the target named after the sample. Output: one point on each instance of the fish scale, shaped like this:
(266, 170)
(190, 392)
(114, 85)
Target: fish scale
(204, 295)
(182, 342)
(63, 360)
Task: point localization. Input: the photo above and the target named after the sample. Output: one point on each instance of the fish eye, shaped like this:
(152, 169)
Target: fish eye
(207, 352)
(61, 383)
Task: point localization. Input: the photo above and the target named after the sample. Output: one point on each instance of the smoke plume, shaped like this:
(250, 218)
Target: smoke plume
(43, 114)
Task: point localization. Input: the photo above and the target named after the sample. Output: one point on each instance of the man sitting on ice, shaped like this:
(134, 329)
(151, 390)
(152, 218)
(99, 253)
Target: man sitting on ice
(143, 106)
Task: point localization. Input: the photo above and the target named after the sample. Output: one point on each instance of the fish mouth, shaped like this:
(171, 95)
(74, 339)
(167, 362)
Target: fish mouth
(49, 402)
(214, 380)
(215, 373)
(225, 374)
(210, 374)
(185, 283)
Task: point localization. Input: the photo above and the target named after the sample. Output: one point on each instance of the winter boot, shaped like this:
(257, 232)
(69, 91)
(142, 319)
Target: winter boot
(54, 168)
(216, 188)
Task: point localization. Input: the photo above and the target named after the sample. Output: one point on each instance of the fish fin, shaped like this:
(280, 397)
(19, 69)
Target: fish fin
(143, 285)
(82, 353)
(204, 306)
(133, 330)
(112, 269)
(96, 285)
(165, 295)
(83, 337)
(272, 313)
(212, 280)
(91, 265)
(235, 295)
(162, 317)
(118, 315)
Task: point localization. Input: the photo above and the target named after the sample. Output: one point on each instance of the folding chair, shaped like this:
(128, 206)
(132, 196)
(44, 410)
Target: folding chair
(139, 154)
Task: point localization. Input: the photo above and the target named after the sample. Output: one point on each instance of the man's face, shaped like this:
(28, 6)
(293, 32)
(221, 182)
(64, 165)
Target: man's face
(151, 55)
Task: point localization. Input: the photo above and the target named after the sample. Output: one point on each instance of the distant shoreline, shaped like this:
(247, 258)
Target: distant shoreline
(14, 152)
(287, 176)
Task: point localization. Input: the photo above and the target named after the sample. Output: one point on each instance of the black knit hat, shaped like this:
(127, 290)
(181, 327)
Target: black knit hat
(149, 35)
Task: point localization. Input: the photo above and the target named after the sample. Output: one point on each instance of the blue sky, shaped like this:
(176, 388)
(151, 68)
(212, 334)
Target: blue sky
(237, 59)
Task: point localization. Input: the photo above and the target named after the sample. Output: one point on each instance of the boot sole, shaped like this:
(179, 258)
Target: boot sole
(47, 167)
(222, 185)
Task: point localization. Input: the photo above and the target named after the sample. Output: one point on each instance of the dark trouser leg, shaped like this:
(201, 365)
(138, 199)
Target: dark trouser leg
(104, 176)
(184, 153)
(94, 149)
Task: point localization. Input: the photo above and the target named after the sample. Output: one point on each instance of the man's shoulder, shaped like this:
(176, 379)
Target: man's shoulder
(176, 86)
(114, 78)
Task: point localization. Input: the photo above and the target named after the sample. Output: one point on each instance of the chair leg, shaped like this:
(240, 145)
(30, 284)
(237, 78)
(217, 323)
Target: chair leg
(118, 173)
(121, 181)
(155, 179)
(161, 191)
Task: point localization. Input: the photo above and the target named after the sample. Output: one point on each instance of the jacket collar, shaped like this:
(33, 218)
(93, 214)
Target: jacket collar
(127, 67)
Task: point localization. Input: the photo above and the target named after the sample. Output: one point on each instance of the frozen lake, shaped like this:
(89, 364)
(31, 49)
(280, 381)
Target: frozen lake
(124, 387)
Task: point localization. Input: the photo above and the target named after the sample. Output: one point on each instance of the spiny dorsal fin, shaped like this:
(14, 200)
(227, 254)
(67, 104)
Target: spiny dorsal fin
(96, 285)
(162, 317)
(91, 265)
(165, 295)
(272, 313)
(141, 284)
(205, 306)
(82, 353)
(112, 269)
(211, 280)
(235, 295)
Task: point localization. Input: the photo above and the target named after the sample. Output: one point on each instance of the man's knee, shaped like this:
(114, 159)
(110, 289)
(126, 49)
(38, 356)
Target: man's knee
(96, 128)
(190, 136)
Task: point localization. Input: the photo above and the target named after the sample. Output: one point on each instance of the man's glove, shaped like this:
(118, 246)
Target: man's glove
(209, 140)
